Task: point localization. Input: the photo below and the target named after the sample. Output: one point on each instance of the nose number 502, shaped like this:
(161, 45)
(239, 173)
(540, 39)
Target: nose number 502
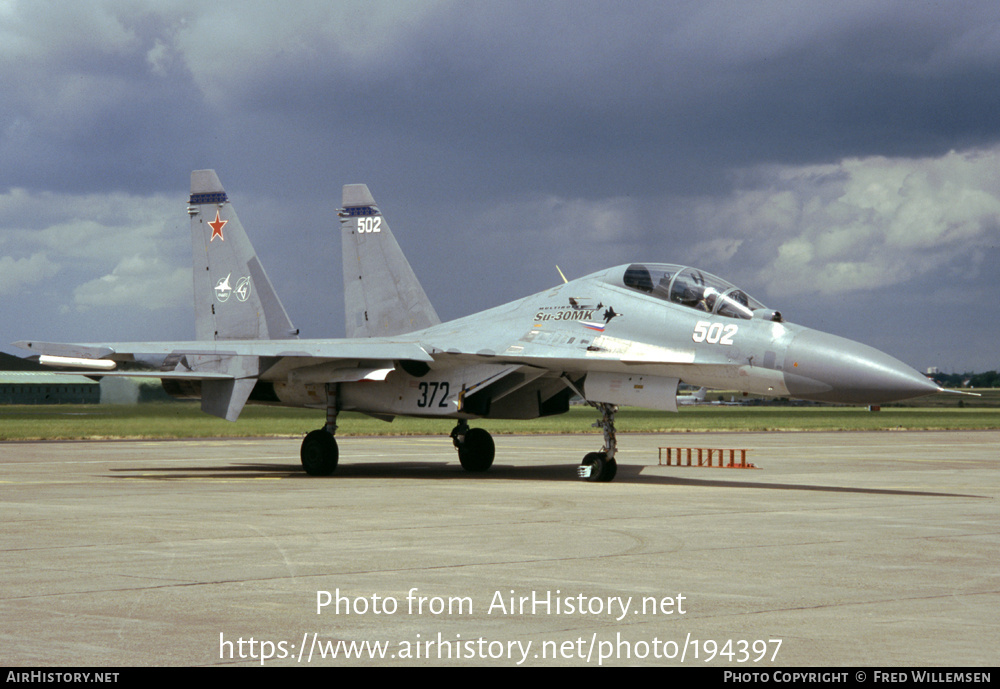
(714, 333)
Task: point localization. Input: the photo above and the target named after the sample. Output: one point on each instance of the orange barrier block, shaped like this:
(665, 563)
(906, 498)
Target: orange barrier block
(704, 457)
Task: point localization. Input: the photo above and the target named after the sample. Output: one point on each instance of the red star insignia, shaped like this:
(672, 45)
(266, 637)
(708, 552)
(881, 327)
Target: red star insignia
(217, 226)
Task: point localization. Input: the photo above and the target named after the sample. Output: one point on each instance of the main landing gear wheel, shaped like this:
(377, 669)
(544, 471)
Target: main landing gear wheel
(597, 467)
(475, 447)
(319, 453)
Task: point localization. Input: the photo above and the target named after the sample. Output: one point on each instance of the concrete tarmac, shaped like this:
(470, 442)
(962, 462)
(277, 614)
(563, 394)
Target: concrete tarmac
(842, 549)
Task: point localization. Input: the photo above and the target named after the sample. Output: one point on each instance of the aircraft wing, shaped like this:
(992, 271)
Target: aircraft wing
(305, 349)
(227, 371)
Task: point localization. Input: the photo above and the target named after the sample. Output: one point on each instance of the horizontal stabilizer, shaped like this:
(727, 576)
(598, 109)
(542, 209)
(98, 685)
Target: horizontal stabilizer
(226, 398)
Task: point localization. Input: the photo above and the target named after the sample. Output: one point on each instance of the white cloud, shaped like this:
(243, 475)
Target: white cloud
(88, 226)
(158, 57)
(137, 282)
(863, 223)
(18, 274)
(138, 244)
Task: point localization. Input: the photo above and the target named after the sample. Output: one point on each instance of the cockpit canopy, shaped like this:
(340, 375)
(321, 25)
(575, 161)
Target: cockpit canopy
(691, 287)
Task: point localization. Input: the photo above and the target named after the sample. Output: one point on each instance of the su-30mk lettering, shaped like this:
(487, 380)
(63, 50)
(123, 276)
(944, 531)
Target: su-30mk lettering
(714, 333)
(564, 316)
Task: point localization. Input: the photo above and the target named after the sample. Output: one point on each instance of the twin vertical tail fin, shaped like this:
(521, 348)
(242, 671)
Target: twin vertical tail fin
(382, 296)
(233, 298)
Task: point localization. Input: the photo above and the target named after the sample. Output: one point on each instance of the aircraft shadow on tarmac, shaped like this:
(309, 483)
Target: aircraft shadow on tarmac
(632, 474)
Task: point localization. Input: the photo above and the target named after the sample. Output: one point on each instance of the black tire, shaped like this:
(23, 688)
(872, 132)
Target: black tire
(477, 451)
(610, 469)
(319, 453)
(602, 469)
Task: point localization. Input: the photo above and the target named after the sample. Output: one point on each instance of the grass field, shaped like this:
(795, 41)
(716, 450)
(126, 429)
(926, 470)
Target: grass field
(185, 420)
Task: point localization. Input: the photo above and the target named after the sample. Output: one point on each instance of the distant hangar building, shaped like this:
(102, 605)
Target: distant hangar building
(40, 387)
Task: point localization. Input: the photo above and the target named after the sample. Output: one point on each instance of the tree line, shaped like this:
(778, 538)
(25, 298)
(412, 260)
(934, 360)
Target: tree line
(989, 379)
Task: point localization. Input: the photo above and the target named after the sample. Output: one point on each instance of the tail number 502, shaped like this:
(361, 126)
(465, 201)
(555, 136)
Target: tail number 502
(714, 333)
(366, 225)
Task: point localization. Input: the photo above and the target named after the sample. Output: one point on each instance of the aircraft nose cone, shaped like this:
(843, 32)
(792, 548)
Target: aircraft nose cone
(827, 368)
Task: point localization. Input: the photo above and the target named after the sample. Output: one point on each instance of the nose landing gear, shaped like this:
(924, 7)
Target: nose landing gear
(601, 466)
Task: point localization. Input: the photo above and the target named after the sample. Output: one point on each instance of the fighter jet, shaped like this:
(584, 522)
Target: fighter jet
(694, 398)
(626, 335)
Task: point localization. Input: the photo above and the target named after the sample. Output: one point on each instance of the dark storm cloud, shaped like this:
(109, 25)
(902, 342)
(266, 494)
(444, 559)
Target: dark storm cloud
(84, 107)
(742, 136)
(631, 97)
(649, 88)
(635, 88)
